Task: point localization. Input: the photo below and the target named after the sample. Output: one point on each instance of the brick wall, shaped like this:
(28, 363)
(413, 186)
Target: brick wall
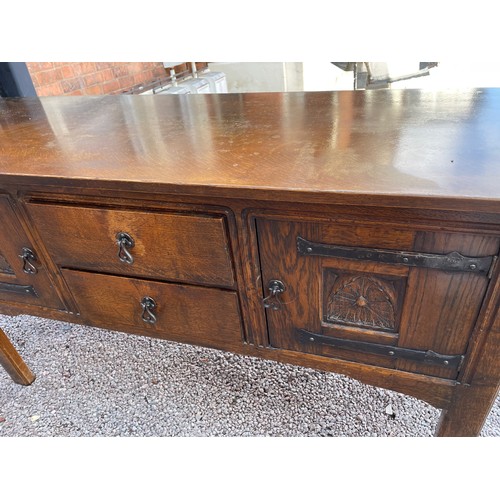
(92, 78)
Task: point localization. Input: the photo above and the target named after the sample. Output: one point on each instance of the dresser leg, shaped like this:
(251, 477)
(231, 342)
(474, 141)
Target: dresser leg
(468, 410)
(11, 360)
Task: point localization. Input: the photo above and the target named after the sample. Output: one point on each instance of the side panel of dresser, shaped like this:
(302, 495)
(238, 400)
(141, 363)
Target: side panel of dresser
(24, 277)
(480, 379)
(24, 282)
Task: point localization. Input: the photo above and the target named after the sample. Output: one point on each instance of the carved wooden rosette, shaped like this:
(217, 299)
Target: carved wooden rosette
(362, 300)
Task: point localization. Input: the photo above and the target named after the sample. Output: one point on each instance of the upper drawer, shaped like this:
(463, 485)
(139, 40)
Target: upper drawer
(168, 246)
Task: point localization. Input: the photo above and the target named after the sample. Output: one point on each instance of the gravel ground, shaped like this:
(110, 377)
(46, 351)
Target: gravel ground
(92, 382)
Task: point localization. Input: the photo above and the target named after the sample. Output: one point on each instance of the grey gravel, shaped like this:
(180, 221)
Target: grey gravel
(93, 382)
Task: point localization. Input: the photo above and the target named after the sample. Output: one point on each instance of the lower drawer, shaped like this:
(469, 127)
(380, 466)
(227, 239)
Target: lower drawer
(185, 313)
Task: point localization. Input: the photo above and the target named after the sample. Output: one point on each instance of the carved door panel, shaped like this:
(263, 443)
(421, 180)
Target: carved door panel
(23, 275)
(385, 296)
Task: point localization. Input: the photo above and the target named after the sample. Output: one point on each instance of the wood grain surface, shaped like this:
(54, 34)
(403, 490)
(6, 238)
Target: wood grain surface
(192, 314)
(215, 189)
(167, 246)
(377, 147)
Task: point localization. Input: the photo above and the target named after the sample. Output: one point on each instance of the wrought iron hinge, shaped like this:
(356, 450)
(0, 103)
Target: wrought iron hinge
(19, 289)
(427, 357)
(453, 261)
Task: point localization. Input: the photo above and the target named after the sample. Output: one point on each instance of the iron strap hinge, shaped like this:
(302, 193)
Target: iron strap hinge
(19, 289)
(428, 357)
(453, 261)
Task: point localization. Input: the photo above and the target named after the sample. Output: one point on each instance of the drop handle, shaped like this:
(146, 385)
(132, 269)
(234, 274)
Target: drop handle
(125, 242)
(148, 305)
(28, 257)
(273, 301)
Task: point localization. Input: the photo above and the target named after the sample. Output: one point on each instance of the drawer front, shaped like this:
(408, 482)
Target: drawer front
(184, 313)
(23, 273)
(372, 294)
(166, 246)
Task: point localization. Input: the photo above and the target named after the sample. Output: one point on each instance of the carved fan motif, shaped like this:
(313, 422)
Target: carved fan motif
(362, 301)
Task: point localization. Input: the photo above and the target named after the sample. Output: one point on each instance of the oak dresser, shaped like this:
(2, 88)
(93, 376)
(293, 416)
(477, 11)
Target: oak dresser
(356, 231)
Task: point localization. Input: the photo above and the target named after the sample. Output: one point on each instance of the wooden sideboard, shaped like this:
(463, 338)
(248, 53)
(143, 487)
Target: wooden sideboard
(353, 232)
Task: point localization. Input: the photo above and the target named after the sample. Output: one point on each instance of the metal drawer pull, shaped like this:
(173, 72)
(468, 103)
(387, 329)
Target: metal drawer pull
(427, 357)
(453, 261)
(272, 301)
(148, 304)
(124, 242)
(28, 257)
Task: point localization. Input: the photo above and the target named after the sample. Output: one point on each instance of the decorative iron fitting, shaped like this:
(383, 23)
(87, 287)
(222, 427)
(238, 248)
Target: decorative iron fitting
(124, 242)
(28, 257)
(272, 301)
(19, 289)
(427, 357)
(148, 305)
(453, 261)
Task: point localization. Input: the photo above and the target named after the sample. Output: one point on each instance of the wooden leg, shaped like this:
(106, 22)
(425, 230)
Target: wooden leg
(468, 410)
(11, 360)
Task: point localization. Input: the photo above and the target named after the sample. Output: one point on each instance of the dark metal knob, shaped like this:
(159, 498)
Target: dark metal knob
(124, 242)
(148, 305)
(28, 257)
(272, 301)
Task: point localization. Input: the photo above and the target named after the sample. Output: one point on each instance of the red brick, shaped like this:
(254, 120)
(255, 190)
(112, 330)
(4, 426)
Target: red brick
(41, 66)
(160, 72)
(93, 78)
(71, 85)
(47, 90)
(126, 82)
(76, 92)
(139, 78)
(120, 69)
(111, 86)
(67, 71)
(86, 67)
(34, 78)
(49, 76)
(32, 67)
(135, 67)
(107, 74)
(148, 75)
(103, 65)
(93, 90)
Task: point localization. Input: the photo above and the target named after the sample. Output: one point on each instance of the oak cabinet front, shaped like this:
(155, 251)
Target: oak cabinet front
(393, 297)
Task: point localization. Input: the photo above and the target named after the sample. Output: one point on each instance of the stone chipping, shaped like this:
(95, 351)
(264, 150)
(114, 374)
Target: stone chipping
(93, 382)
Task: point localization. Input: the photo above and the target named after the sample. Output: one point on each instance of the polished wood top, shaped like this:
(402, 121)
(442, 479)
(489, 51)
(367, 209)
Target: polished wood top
(390, 147)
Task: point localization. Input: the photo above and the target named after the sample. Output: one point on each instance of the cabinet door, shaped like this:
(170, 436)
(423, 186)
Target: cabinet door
(391, 297)
(23, 274)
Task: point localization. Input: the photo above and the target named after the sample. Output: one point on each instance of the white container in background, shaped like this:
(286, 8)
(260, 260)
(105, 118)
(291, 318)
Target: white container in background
(216, 80)
(195, 85)
(174, 90)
